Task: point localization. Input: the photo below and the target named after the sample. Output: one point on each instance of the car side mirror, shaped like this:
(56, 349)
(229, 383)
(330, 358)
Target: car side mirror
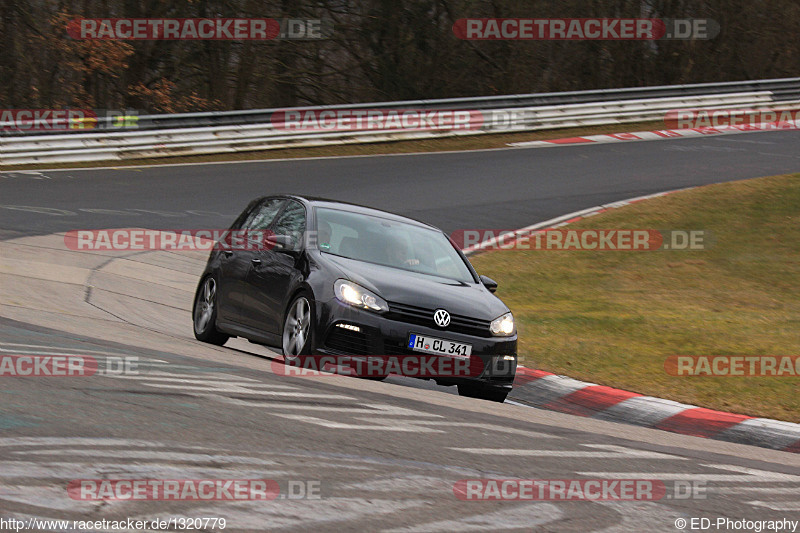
(282, 243)
(489, 283)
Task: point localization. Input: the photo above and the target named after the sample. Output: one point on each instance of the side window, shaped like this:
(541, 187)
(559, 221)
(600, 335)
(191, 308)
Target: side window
(292, 222)
(243, 216)
(262, 216)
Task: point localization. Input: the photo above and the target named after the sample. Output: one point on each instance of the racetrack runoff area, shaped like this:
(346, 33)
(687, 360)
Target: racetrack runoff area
(622, 318)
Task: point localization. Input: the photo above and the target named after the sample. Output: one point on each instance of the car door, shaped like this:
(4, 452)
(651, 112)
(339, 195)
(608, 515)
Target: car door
(235, 262)
(274, 272)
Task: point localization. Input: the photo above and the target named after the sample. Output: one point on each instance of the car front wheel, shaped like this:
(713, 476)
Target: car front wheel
(297, 329)
(204, 314)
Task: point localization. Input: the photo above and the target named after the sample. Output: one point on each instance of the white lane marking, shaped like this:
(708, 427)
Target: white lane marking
(403, 484)
(243, 390)
(153, 374)
(140, 361)
(748, 475)
(374, 424)
(33, 174)
(48, 472)
(146, 379)
(793, 489)
(186, 368)
(610, 452)
(491, 427)
(75, 441)
(39, 210)
(382, 424)
(742, 141)
(65, 348)
(777, 506)
(52, 498)
(780, 155)
(369, 409)
(51, 352)
(154, 455)
(560, 220)
(525, 517)
(343, 513)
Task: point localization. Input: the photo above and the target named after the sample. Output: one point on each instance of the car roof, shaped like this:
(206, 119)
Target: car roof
(315, 201)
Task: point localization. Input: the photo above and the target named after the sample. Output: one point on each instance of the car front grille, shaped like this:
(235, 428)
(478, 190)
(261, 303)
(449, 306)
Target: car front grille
(424, 317)
(347, 341)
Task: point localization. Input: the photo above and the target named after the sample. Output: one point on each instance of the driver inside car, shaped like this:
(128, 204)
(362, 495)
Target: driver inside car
(398, 254)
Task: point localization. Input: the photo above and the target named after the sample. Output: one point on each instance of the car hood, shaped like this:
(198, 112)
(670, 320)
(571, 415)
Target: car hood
(421, 290)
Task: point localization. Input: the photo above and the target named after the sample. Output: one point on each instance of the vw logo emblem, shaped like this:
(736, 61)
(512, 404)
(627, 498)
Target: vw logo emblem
(442, 318)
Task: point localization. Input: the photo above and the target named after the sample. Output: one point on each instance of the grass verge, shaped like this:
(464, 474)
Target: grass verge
(614, 317)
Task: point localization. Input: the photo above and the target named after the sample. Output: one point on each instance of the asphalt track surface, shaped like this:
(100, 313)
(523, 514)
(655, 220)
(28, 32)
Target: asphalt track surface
(488, 189)
(375, 456)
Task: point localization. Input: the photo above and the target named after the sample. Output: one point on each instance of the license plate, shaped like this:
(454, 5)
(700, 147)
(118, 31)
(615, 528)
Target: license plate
(419, 343)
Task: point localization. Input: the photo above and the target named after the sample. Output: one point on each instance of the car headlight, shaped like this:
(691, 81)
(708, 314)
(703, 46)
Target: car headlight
(503, 326)
(357, 296)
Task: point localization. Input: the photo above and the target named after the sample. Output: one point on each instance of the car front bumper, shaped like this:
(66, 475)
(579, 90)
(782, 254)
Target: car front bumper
(492, 364)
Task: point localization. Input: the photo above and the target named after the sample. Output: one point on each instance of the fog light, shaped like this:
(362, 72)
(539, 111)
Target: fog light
(349, 327)
(504, 365)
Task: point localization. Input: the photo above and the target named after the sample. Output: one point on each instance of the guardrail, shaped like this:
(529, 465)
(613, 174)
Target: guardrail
(237, 131)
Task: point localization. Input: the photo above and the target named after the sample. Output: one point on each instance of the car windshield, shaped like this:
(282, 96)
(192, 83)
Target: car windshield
(389, 242)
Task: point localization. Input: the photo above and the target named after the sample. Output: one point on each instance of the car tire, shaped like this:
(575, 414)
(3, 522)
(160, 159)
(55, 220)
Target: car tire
(204, 313)
(492, 394)
(298, 328)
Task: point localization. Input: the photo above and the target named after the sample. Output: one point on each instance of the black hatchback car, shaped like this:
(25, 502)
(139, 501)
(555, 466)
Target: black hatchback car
(341, 279)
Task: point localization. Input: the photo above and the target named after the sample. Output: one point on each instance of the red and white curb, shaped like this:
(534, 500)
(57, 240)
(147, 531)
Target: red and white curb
(545, 390)
(566, 395)
(655, 135)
